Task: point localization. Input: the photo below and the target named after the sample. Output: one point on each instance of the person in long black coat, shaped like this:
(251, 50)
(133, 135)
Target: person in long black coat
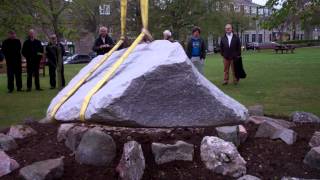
(104, 43)
(230, 46)
(11, 49)
(33, 51)
(54, 53)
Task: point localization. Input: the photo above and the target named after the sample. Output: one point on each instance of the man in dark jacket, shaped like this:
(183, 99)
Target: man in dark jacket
(54, 53)
(33, 51)
(11, 49)
(196, 49)
(103, 43)
(230, 46)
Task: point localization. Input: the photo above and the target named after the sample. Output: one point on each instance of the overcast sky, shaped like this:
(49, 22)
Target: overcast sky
(261, 2)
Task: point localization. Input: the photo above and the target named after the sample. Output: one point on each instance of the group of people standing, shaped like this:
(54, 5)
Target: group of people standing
(230, 46)
(230, 49)
(33, 51)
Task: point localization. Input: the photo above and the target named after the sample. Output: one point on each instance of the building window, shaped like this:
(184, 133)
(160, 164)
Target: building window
(253, 37)
(231, 7)
(237, 8)
(260, 11)
(270, 37)
(104, 9)
(226, 7)
(253, 10)
(246, 38)
(247, 9)
(217, 6)
(260, 38)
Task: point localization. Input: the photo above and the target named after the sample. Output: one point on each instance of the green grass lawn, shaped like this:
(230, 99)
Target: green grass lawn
(281, 82)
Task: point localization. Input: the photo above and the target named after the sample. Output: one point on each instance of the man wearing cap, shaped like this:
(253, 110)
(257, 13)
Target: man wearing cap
(54, 53)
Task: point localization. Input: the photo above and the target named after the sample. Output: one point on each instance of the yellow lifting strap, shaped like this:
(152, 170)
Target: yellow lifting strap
(108, 75)
(123, 18)
(103, 60)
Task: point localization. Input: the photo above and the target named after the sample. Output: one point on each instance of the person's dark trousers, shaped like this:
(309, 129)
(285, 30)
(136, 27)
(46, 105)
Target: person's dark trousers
(14, 72)
(52, 74)
(63, 81)
(33, 69)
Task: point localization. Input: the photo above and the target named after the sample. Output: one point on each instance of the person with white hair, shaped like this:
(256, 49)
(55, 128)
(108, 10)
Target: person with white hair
(32, 50)
(167, 35)
(103, 43)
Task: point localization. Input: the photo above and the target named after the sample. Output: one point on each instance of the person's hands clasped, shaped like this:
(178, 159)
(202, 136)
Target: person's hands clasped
(104, 46)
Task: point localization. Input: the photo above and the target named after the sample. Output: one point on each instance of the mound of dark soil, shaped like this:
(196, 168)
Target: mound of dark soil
(267, 159)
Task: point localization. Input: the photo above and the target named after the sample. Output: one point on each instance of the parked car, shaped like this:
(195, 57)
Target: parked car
(67, 55)
(92, 55)
(77, 59)
(252, 46)
(216, 49)
(265, 45)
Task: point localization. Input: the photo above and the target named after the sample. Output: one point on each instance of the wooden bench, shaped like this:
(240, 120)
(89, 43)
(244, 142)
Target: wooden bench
(3, 68)
(285, 48)
(41, 67)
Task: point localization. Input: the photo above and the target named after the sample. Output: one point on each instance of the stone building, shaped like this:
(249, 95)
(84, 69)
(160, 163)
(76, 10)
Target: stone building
(256, 33)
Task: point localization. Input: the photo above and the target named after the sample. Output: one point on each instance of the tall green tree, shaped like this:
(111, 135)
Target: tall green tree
(11, 19)
(292, 13)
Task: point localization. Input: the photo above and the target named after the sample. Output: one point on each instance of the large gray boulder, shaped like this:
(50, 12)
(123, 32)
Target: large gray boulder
(256, 110)
(164, 153)
(295, 178)
(73, 136)
(230, 134)
(269, 129)
(249, 177)
(315, 139)
(96, 148)
(313, 158)
(304, 117)
(42, 170)
(132, 163)
(21, 131)
(222, 157)
(7, 143)
(7, 165)
(261, 119)
(156, 86)
(63, 131)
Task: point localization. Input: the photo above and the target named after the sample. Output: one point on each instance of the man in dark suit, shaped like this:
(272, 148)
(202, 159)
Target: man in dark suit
(103, 43)
(54, 53)
(32, 50)
(11, 49)
(230, 46)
